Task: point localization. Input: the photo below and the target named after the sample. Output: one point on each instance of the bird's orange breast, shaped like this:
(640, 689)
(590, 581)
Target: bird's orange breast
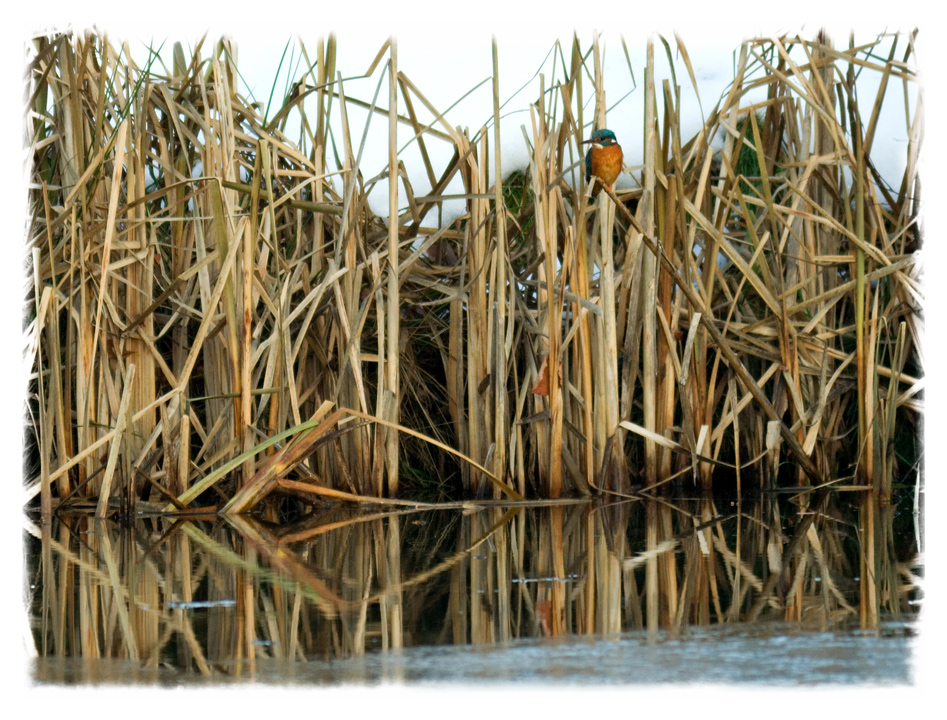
(606, 164)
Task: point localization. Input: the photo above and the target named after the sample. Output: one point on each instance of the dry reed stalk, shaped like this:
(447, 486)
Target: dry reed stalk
(392, 399)
(610, 437)
(476, 341)
(121, 427)
(502, 295)
(45, 417)
(649, 265)
(548, 439)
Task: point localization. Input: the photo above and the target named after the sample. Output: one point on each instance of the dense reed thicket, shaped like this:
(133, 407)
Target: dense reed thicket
(219, 316)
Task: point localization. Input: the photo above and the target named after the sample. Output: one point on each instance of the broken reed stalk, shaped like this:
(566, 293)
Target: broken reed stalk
(245, 276)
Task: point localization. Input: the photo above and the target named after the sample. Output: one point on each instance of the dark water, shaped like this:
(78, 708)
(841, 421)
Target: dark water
(772, 592)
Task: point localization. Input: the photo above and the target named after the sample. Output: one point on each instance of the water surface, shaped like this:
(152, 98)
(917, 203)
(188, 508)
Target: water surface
(773, 592)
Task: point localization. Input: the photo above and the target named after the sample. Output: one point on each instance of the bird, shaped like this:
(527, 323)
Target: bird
(603, 159)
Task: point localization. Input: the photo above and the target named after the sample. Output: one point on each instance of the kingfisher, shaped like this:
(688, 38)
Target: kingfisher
(603, 159)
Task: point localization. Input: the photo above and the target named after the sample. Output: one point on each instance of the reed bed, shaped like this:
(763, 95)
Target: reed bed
(219, 319)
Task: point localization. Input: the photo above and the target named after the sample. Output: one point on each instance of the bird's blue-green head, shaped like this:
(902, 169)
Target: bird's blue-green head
(602, 137)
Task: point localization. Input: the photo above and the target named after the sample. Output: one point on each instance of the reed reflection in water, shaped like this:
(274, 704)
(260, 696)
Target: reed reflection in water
(214, 598)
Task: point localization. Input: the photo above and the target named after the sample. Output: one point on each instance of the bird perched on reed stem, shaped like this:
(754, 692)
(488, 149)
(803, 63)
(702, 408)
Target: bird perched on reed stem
(603, 160)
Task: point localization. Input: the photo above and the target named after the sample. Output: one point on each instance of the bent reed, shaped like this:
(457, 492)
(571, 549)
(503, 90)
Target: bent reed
(219, 320)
